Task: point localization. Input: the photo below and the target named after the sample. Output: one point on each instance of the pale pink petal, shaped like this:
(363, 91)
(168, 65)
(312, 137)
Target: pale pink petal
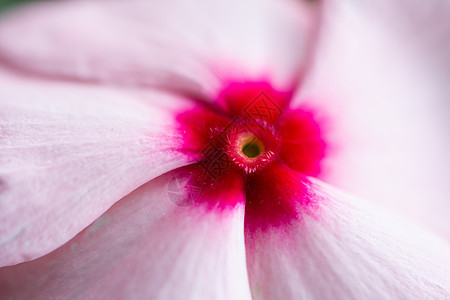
(342, 247)
(144, 247)
(381, 78)
(185, 45)
(70, 151)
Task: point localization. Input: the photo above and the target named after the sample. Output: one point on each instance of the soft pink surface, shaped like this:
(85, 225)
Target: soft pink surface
(69, 151)
(144, 247)
(381, 79)
(344, 248)
(189, 46)
(82, 126)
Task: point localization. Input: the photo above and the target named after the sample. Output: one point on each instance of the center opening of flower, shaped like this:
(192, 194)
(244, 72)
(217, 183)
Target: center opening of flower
(251, 137)
(251, 146)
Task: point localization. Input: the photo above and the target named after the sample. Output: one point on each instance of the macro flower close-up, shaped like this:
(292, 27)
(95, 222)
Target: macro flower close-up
(210, 149)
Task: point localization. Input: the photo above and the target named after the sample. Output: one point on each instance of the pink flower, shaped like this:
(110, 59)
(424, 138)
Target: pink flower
(198, 140)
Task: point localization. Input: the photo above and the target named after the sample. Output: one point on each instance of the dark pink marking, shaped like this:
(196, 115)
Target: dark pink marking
(244, 99)
(199, 126)
(276, 193)
(214, 180)
(275, 197)
(223, 192)
(302, 145)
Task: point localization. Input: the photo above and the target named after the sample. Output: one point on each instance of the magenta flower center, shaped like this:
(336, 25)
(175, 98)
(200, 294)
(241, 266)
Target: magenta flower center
(253, 142)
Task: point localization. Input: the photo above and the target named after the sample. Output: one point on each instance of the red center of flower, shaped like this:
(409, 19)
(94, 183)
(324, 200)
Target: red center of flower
(251, 147)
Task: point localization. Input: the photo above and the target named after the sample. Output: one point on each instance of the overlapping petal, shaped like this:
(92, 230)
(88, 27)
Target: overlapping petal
(145, 246)
(380, 78)
(69, 151)
(192, 47)
(341, 247)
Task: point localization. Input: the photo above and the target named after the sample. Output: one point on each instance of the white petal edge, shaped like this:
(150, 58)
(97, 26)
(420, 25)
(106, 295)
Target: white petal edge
(69, 151)
(347, 249)
(193, 46)
(144, 247)
(380, 77)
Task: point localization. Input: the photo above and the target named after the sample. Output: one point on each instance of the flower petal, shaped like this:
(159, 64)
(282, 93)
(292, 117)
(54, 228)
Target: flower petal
(381, 75)
(190, 46)
(144, 247)
(344, 248)
(70, 151)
